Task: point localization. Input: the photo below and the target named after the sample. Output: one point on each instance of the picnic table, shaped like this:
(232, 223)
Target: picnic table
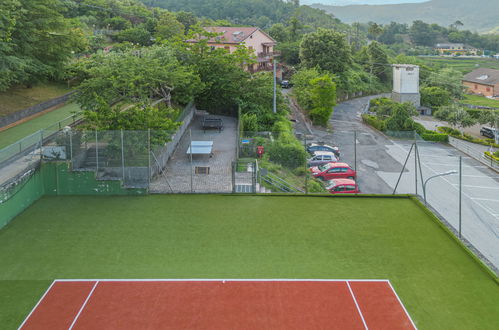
(212, 122)
(200, 148)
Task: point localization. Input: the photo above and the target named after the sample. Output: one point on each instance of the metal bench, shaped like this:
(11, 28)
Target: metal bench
(210, 122)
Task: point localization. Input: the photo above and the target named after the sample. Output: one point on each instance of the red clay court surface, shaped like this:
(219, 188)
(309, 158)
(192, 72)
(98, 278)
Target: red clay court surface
(219, 304)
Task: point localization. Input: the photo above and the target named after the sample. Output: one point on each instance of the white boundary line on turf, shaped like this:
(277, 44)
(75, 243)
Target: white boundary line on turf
(218, 280)
(37, 304)
(401, 304)
(357, 305)
(83, 306)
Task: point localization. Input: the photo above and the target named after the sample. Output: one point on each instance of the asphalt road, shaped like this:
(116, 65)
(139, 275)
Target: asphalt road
(379, 161)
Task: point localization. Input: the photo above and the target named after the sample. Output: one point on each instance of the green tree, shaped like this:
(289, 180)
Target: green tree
(279, 32)
(323, 99)
(187, 19)
(379, 64)
(401, 120)
(168, 26)
(435, 97)
(455, 115)
(375, 30)
(137, 35)
(448, 79)
(35, 41)
(422, 34)
(326, 49)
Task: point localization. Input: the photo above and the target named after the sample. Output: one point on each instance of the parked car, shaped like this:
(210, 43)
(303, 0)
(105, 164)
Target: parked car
(331, 171)
(343, 186)
(286, 84)
(313, 147)
(322, 157)
(488, 132)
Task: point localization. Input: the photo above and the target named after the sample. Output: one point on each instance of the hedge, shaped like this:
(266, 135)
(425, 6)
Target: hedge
(374, 122)
(436, 137)
(492, 156)
(466, 137)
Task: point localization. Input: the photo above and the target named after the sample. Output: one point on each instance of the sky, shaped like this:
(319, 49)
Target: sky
(358, 2)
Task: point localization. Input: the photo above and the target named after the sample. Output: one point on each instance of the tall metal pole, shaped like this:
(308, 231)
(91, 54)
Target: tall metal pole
(416, 164)
(190, 154)
(149, 157)
(460, 191)
(355, 151)
(274, 105)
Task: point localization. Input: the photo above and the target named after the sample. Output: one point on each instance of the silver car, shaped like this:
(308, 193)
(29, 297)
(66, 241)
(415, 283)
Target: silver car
(322, 157)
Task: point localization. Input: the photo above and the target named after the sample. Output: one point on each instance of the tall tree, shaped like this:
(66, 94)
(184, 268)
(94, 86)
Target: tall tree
(326, 49)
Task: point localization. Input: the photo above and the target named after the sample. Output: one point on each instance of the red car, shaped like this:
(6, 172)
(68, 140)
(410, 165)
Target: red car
(331, 171)
(343, 186)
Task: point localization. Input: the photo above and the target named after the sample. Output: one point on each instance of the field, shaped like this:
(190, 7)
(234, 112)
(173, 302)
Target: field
(17, 132)
(481, 101)
(465, 65)
(217, 236)
(18, 98)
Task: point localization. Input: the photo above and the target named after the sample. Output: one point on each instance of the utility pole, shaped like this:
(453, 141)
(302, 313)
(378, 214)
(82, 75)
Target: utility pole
(274, 105)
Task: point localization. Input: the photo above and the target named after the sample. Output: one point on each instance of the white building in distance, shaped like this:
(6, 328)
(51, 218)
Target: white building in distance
(406, 84)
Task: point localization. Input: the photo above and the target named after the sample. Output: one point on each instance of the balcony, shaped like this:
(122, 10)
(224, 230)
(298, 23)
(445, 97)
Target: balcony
(266, 56)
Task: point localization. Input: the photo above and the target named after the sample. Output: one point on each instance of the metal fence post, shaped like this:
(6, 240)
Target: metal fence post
(149, 157)
(190, 154)
(122, 157)
(96, 154)
(460, 191)
(306, 172)
(415, 163)
(355, 151)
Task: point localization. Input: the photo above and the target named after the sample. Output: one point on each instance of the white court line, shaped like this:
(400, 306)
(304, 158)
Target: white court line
(401, 304)
(83, 306)
(219, 279)
(357, 305)
(36, 306)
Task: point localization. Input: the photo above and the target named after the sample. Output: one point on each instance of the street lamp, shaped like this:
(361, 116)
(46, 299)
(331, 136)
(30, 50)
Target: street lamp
(432, 177)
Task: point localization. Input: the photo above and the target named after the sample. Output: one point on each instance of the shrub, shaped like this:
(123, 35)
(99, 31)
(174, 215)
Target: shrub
(374, 122)
(494, 156)
(420, 129)
(449, 130)
(436, 137)
(249, 122)
(291, 155)
(314, 186)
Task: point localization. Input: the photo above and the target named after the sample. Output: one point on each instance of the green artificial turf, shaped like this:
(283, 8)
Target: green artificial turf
(217, 236)
(16, 133)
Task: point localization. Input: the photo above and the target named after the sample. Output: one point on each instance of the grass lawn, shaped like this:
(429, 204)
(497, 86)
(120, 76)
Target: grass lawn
(464, 65)
(219, 236)
(480, 100)
(16, 133)
(20, 97)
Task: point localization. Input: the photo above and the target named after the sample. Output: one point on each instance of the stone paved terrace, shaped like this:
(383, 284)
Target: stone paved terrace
(178, 168)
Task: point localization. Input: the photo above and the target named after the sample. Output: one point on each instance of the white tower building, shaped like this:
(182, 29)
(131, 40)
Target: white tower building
(406, 84)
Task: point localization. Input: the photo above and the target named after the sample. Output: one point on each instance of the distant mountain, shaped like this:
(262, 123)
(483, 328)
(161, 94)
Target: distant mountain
(477, 15)
(357, 2)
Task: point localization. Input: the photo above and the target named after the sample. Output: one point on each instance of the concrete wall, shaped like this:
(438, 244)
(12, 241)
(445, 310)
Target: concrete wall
(163, 154)
(415, 98)
(21, 114)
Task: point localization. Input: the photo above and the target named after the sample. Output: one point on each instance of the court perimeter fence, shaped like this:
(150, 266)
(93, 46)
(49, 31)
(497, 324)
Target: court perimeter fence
(462, 191)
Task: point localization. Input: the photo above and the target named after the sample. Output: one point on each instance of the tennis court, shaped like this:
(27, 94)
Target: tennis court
(219, 304)
(239, 237)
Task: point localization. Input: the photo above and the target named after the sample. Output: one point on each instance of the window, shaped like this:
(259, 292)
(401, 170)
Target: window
(349, 188)
(339, 188)
(476, 86)
(343, 169)
(488, 89)
(335, 170)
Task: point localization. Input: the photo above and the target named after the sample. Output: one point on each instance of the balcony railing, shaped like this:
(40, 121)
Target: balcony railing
(268, 54)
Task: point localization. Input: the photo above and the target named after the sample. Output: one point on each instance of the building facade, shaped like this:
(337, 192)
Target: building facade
(456, 49)
(259, 42)
(482, 81)
(406, 84)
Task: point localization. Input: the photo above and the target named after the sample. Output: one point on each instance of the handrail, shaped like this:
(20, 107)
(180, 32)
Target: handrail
(280, 183)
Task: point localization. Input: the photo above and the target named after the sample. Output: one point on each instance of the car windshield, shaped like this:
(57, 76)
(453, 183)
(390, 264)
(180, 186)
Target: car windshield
(331, 185)
(324, 167)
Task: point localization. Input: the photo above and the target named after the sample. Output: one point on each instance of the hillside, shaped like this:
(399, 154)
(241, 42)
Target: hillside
(477, 15)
